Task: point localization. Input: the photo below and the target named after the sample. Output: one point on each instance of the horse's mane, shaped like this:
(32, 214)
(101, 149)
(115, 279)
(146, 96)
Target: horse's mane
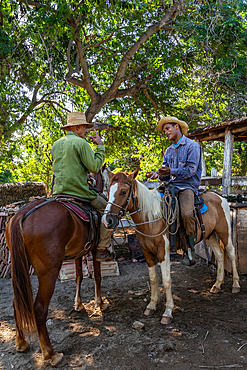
(149, 201)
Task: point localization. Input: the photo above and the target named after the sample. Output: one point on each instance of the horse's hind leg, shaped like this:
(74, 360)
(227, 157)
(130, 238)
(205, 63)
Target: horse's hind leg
(46, 288)
(20, 342)
(78, 278)
(219, 255)
(231, 253)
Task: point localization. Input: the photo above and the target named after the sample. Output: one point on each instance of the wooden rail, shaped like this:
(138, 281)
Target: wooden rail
(238, 183)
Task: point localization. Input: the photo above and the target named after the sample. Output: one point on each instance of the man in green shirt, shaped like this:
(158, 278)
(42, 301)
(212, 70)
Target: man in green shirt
(72, 159)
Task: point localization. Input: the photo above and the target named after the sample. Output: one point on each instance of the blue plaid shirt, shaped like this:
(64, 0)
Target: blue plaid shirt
(185, 162)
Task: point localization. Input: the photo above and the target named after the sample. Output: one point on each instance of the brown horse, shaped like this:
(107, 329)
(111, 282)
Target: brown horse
(144, 206)
(99, 180)
(48, 236)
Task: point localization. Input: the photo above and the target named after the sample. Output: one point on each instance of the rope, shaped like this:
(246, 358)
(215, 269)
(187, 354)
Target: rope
(125, 235)
(150, 178)
(149, 236)
(168, 215)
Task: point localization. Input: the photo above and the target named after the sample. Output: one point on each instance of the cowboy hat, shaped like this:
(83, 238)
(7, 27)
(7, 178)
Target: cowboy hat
(164, 120)
(75, 119)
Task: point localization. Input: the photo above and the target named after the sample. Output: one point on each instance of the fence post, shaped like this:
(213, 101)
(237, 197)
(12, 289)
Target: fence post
(227, 164)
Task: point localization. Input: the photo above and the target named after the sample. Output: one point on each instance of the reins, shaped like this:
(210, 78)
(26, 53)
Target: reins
(123, 208)
(168, 214)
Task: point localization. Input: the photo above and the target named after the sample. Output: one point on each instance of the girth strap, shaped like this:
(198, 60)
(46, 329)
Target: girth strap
(198, 211)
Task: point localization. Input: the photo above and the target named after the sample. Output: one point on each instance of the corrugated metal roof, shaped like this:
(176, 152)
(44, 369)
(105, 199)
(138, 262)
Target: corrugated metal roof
(236, 125)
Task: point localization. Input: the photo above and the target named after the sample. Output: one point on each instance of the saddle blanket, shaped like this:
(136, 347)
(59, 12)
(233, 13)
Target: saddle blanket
(79, 212)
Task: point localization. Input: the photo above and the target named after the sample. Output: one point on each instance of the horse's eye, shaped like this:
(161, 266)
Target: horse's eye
(123, 192)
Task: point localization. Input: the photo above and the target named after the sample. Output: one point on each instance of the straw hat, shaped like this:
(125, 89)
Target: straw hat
(75, 119)
(164, 120)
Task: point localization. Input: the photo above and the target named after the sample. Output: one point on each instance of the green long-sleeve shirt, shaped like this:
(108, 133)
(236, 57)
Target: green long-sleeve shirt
(72, 159)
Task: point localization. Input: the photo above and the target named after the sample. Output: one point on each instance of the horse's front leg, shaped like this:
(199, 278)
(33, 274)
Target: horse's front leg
(78, 278)
(153, 276)
(97, 282)
(166, 278)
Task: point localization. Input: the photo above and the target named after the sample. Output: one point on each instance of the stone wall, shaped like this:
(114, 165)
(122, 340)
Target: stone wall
(20, 191)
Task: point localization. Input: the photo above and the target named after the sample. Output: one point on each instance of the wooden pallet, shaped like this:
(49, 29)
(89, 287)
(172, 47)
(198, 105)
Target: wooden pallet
(107, 269)
(67, 271)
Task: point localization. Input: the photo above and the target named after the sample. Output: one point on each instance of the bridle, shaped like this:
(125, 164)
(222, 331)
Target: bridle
(123, 209)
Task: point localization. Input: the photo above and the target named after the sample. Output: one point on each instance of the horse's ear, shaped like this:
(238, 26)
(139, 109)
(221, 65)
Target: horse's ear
(109, 173)
(103, 167)
(133, 175)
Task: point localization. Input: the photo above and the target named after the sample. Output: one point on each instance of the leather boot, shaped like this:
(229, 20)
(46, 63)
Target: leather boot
(189, 257)
(103, 255)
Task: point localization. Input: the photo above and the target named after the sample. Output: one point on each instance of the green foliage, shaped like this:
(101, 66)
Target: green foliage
(5, 176)
(214, 155)
(193, 68)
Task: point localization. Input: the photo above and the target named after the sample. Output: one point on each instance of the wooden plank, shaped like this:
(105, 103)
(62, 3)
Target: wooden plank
(211, 181)
(227, 163)
(241, 227)
(108, 269)
(68, 271)
(239, 181)
(235, 181)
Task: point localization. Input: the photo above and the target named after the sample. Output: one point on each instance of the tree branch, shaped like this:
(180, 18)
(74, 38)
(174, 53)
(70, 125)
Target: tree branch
(77, 67)
(75, 81)
(150, 99)
(86, 76)
(171, 14)
(98, 44)
(37, 5)
(104, 126)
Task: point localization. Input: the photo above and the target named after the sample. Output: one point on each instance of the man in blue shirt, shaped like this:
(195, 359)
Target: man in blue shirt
(182, 168)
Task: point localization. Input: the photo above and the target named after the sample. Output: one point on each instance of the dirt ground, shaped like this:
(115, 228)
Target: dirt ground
(208, 331)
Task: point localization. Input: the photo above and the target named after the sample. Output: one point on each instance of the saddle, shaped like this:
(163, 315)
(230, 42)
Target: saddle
(177, 225)
(82, 208)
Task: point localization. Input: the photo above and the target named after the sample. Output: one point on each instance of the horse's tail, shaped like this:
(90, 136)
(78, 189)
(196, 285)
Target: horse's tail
(21, 282)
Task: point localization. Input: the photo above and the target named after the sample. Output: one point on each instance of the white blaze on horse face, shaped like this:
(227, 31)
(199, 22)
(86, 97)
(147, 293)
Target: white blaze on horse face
(111, 200)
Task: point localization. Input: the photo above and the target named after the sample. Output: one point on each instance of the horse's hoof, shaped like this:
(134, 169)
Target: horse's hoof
(98, 305)
(79, 307)
(21, 347)
(166, 320)
(235, 290)
(104, 306)
(148, 312)
(187, 262)
(215, 290)
(57, 360)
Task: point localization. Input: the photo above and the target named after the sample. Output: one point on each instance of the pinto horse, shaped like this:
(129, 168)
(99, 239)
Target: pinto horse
(48, 236)
(144, 206)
